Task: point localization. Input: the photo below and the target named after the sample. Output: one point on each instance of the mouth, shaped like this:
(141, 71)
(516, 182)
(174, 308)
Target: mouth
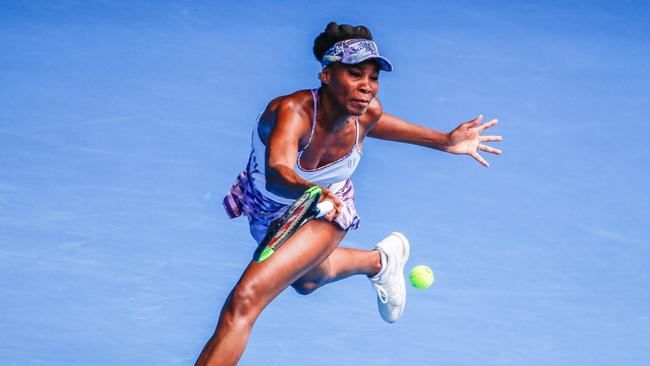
(363, 102)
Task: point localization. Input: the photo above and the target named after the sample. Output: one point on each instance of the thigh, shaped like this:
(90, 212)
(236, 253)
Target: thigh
(305, 249)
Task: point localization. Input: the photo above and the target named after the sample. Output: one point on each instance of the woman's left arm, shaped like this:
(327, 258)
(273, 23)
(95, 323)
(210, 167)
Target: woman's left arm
(393, 128)
(465, 139)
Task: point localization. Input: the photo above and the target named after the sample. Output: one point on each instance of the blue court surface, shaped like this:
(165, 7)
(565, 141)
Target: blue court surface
(123, 124)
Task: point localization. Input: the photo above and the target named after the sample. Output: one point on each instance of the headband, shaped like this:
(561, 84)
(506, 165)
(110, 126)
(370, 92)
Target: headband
(354, 51)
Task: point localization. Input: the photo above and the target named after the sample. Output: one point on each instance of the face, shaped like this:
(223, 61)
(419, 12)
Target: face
(352, 86)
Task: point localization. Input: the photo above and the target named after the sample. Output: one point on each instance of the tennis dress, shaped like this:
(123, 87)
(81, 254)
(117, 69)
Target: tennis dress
(249, 196)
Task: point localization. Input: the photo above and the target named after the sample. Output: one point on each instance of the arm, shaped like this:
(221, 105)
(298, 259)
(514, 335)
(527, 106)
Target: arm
(465, 139)
(282, 154)
(282, 150)
(393, 128)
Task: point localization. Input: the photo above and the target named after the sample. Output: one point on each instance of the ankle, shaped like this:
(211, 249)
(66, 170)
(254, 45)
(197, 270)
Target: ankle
(375, 265)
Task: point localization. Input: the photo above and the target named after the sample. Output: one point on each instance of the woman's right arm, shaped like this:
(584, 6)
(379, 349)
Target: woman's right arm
(282, 150)
(282, 154)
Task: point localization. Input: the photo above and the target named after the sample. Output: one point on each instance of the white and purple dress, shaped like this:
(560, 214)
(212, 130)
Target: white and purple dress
(249, 195)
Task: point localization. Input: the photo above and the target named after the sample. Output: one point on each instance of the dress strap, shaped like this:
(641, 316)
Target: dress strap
(314, 94)
(356, 139)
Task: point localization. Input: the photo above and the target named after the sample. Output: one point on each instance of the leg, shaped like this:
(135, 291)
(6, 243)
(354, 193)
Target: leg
(387, 278)
(261, 282)
(342, 263)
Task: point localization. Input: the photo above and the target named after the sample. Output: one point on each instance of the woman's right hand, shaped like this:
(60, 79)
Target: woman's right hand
(329, 196)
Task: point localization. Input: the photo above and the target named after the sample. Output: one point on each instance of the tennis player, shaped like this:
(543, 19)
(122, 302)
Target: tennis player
(315, 137)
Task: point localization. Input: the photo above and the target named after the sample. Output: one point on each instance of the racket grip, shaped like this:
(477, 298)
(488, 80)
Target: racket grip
(324, 208)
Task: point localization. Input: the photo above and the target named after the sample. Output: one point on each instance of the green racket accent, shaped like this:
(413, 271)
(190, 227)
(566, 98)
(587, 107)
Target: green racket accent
(267, 252)
(314, 190)
(300, 211)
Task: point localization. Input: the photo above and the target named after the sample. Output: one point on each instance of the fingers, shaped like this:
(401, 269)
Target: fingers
(338, 205)
(328, 195)
(479, 128)
(487, 125)
(333, 214)
(480, 159)
(491, 138)
(330, 216)
(474, 122)
(489, 149)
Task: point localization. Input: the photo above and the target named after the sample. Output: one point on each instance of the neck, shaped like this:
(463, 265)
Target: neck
(331, 115)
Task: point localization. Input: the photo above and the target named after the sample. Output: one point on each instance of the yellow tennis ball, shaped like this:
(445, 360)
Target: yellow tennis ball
(421, 276)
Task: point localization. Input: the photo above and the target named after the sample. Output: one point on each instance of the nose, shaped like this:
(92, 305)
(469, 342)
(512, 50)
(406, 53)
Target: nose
(364, 87)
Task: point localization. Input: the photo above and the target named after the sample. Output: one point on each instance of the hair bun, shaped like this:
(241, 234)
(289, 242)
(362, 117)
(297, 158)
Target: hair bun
(335, 33)
(332, 28)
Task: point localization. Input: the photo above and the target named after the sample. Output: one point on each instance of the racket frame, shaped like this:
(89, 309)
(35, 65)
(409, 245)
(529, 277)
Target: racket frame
(303, 209)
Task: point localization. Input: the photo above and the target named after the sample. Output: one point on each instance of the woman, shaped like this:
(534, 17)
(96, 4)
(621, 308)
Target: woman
(315, 137)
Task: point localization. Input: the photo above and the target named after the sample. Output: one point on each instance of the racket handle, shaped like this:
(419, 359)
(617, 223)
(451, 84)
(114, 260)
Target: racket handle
(324, 208)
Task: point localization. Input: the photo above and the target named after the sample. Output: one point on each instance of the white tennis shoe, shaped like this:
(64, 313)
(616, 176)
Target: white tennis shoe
(389, 282)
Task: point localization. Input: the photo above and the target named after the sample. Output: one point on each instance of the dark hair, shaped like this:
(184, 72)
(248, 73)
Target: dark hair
(336, 33)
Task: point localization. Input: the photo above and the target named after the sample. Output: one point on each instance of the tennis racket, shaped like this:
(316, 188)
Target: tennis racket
(302, 210)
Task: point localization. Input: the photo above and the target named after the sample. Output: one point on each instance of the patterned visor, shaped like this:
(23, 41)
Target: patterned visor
(354, 51)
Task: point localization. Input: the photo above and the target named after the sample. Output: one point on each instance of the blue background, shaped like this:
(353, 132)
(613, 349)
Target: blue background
(122, 124)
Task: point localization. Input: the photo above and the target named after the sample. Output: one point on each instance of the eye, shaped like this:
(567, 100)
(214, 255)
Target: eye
(374, 77)
(355, 73)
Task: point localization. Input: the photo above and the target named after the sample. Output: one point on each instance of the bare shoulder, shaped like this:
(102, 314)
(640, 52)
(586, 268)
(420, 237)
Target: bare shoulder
(289, 114)
(298, 102)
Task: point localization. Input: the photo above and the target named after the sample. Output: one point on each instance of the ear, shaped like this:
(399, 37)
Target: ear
(324, 76)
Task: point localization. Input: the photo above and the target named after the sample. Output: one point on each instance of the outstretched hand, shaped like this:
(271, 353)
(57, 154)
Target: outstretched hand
(466, 139)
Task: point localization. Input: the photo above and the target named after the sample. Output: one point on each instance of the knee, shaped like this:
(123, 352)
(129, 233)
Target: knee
(243, 303)
(304, 287)
(317, 278)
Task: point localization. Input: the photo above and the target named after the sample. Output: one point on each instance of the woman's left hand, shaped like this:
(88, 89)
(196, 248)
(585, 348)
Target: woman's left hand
(466, 139)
